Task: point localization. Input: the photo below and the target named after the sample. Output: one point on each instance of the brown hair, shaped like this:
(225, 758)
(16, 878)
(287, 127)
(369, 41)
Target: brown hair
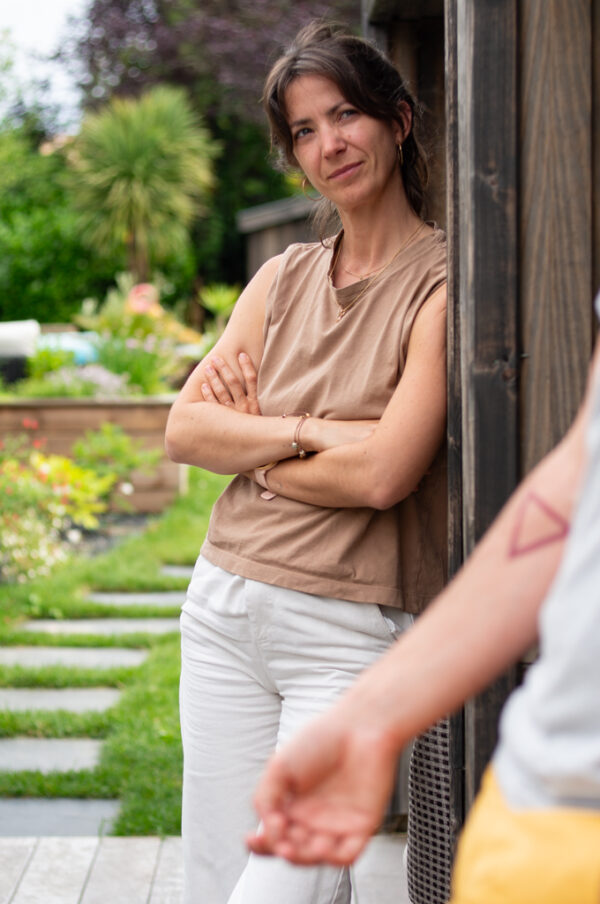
(367, 80)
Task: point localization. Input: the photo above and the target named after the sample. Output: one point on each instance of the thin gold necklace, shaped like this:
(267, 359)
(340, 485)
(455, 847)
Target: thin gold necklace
(344, 310)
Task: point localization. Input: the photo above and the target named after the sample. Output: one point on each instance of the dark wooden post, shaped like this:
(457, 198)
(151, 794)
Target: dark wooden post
(486, 37)
(556, 205)
(454, 431)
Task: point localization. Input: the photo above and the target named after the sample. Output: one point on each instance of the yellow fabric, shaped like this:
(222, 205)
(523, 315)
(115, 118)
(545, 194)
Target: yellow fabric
(507, 856)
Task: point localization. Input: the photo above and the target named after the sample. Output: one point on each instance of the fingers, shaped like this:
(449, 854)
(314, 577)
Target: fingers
(307, 847)
(225, 387)
(207, 393)
(250, 378)
(215, 386)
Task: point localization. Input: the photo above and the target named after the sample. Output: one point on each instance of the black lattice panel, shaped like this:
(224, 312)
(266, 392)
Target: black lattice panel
(430, 820)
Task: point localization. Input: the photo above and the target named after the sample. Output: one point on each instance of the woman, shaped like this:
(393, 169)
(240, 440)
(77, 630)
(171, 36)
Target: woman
(326, 395)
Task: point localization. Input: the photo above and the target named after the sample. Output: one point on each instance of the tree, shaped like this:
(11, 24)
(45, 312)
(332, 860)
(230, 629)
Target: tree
(140, 172)
(219, 51)
(45, 270)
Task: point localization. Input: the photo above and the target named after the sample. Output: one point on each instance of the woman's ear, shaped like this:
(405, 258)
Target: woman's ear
(403, 122)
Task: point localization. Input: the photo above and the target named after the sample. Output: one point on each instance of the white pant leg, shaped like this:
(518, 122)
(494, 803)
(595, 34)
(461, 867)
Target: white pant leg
(314, 648)
(229, 722)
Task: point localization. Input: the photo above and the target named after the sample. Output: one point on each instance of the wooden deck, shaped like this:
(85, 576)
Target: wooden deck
(90, 870)
(111, 870)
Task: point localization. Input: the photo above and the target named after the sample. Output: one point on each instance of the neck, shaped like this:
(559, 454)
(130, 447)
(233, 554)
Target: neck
(373, 234)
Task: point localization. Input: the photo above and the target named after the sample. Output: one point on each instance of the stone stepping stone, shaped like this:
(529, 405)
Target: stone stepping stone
(73, 699)
(177, 571)
(80, 657)
(31, 816)
(103, 626)
(160, 598)
(48, 754)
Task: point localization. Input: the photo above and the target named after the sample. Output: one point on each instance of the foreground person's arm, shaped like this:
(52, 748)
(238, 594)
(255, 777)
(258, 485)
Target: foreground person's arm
(324, 793)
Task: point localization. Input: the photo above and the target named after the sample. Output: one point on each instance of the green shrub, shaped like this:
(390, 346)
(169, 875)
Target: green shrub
(110, 450)
(43, 498)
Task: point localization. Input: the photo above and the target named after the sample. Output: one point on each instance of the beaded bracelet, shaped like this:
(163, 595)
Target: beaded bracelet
(296, 444)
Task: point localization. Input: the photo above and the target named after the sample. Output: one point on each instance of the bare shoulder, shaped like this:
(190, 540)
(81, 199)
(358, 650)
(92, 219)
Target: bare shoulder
(246, 323)
(430, 322)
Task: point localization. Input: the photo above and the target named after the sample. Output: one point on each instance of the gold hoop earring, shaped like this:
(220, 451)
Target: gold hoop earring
(400, 155)
(305, 184)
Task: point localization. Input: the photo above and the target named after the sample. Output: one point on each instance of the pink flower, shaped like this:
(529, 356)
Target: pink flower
(143, 299)
(30, 424)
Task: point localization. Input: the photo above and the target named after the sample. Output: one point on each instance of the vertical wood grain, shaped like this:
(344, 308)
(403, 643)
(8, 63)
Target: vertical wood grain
(555, 217)
(454, 429)
(488, 291)
(596, 145)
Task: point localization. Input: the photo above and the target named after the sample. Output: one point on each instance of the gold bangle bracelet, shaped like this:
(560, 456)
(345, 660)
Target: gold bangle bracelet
(266, 467)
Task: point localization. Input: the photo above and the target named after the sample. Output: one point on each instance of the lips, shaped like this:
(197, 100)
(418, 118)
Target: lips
(344, 170)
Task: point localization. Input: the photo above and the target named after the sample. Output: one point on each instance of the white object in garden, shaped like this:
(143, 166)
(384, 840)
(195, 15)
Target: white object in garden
(18, 338)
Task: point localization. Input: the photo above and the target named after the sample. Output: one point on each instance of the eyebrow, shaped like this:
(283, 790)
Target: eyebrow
(330, 112)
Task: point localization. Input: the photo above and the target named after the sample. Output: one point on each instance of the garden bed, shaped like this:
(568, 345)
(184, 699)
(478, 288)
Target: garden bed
(60, 422)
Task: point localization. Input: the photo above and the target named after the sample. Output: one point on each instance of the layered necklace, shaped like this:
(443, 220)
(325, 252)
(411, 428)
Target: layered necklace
(374, 274)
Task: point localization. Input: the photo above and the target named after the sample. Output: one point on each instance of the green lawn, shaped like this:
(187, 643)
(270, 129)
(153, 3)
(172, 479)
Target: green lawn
(141, 755)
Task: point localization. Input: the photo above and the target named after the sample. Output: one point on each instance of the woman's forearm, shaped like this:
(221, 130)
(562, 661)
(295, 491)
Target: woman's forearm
(227, 441)
(372, 473)
(348, 476)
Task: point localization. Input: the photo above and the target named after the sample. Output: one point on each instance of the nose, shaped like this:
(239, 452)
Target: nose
(332, 141)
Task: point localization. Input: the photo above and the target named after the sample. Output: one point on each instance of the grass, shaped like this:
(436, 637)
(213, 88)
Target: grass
(141, 754)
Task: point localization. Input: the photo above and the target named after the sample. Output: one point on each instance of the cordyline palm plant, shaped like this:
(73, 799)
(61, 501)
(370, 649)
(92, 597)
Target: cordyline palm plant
(140, 170)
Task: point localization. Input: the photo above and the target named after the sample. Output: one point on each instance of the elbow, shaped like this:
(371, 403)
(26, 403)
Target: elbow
(382, 491)
(380, 498)
(175, 447)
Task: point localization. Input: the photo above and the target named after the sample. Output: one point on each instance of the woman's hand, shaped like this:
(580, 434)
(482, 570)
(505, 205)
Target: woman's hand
(225, 388)
(316, 801)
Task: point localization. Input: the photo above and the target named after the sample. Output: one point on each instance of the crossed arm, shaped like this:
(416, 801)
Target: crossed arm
(324, 794)
(216, 424)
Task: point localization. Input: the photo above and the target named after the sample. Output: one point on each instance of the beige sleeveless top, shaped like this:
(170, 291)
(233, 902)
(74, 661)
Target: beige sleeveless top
(346, 369)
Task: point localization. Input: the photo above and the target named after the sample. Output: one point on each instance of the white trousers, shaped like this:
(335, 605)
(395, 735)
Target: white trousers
(257, 662)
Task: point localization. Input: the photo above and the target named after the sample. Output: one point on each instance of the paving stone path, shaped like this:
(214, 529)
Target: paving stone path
(33, 817)
(56, 851)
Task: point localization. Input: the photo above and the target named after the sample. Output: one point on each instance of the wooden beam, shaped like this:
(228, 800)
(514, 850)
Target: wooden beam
(596, 146)
(454, 429)
(380, 12)
(487, 180)
(556, 269)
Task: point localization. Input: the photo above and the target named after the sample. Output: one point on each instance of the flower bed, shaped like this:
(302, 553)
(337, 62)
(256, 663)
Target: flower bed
(61, 422)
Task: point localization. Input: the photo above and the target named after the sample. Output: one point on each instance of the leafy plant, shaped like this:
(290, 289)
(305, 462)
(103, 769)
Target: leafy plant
(146, 363)
(110, 450)
(43, 496)
(140, 170)
(220, 300)
(132, 310)
(90, 380)
(47, 360)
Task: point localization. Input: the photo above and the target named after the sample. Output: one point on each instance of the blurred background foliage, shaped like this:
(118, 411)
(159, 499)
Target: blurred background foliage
(145, 67)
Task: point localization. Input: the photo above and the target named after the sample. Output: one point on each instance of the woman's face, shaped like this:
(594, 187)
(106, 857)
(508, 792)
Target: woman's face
(346, 155)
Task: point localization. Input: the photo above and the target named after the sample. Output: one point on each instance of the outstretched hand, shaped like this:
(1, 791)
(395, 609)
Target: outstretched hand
(324, 794)
(224, 387)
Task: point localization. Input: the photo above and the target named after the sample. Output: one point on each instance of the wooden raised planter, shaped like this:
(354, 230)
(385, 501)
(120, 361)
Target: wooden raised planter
(63, 421)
